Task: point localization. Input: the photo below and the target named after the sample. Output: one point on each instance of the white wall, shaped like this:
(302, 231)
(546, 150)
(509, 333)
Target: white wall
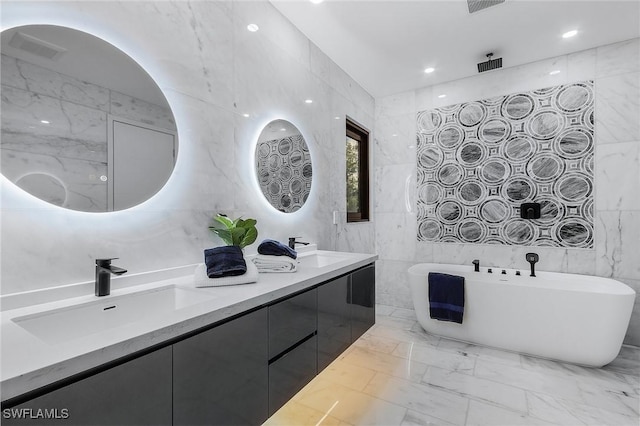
(616, 71)
(212, 70)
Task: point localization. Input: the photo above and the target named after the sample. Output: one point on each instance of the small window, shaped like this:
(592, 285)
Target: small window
(357, 173)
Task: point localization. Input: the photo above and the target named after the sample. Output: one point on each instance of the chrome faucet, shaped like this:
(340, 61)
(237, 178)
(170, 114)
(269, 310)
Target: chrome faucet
(293, 242)
(104, 269)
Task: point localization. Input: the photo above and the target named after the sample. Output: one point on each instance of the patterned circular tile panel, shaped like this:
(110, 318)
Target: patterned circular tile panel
(477, 162)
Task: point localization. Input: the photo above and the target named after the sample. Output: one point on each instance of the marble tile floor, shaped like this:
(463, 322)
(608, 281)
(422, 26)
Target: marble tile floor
(397, 374)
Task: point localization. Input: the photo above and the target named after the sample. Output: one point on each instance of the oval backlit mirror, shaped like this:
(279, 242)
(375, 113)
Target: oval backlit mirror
(84, 127)
(283, 166)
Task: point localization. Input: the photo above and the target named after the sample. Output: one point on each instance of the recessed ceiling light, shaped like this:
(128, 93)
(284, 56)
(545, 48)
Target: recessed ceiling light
(45, 122)
(554, 72)
(316, 1)
(442, 96)
(253, 28)
(245, 115)
(337, 118)
(569, 33)
(308, 101)
(429, 70)
(283, 129)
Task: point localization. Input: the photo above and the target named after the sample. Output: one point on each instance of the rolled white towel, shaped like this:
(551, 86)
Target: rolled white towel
(268, 263)
(201, 279)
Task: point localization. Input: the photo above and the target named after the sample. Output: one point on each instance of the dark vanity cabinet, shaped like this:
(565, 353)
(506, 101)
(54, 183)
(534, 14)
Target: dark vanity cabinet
(137, 392)
(346, 309)
(362, 300)
(220, 376)
(334, 320)
(292, 346)
(236, 372)
(291, 320)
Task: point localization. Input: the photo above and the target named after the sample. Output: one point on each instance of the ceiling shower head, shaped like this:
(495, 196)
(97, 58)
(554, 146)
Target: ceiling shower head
(491, 64)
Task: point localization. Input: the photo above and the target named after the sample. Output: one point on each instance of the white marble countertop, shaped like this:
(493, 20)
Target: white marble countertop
(28, 362)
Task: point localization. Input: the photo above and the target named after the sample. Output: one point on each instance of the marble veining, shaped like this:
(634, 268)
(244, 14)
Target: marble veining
(422, 379)
(478, 161)
(63, 160)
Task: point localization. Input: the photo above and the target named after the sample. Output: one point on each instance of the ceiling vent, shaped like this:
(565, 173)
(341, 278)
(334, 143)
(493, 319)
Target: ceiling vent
(491, 64)
(35, 46)
(476, 5)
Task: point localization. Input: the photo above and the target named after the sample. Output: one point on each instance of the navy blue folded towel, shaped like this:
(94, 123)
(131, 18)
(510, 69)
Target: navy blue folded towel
(224, 261)
(276, 248)
(446, 297)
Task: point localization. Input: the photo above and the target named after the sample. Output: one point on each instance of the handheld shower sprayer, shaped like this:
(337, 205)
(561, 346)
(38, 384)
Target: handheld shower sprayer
(532, 258)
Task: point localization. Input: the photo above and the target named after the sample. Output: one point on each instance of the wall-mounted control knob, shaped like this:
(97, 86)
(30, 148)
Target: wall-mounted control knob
(490, 271)
(504, 272)
(518, 273)
(530, 210)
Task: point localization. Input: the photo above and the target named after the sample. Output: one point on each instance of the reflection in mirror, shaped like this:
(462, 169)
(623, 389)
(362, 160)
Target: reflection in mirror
(83, 125)
(283, 166)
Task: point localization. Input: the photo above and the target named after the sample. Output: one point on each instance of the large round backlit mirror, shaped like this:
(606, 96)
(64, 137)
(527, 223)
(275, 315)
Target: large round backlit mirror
(83, 125)
(283, 166)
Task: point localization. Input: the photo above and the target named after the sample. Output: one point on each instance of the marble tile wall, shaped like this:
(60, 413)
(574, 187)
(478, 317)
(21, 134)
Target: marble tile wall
(61, 162)
(615, 70)
(212, 72)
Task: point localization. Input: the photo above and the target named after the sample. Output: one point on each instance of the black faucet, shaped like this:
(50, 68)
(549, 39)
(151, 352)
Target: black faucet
(476, 265)
(532, 258)
(293, 242)
(104, 269)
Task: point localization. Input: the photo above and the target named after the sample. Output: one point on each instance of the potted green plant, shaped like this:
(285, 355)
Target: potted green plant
(239, 232)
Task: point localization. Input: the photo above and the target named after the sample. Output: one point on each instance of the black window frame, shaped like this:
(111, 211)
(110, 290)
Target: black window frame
(361, 135)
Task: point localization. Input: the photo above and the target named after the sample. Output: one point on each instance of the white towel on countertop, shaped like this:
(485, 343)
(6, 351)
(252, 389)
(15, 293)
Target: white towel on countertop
(268, 263)
(201, 279)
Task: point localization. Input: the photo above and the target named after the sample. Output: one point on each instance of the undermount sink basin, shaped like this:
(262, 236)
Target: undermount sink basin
(320, 260)
(68, 323)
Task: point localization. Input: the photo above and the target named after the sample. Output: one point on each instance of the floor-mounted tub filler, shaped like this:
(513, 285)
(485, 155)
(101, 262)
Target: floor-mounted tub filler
(565, 317)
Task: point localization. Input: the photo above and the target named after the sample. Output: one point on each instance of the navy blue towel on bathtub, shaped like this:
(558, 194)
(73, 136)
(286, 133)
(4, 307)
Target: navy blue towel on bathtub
(446, 297)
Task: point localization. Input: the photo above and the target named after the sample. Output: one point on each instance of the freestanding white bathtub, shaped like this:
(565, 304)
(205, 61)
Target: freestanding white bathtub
(565, 317)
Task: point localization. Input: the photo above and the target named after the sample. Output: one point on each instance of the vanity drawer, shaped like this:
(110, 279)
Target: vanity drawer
(291, 320)
(291, 372)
